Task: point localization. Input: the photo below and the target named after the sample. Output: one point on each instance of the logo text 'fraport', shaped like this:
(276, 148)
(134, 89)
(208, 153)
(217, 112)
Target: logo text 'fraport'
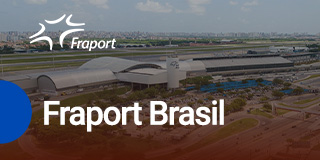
(85, 44)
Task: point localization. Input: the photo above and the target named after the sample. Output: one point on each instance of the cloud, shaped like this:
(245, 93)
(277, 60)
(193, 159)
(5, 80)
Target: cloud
(197, 6)
(152, 6)
(14, 2)
(245, 9)
(36, 1)
(100, 3)
(251, 3)
(233, 3)
(243, 20)
(247, 5)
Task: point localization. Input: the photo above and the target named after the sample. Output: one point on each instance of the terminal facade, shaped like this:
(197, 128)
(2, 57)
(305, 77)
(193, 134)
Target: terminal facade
(104, 71)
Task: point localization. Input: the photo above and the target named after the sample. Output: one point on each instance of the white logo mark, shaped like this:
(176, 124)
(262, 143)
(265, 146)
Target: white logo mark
(62, 36)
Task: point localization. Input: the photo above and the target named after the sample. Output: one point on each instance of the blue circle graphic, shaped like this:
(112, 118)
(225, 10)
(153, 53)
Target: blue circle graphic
(15, 112)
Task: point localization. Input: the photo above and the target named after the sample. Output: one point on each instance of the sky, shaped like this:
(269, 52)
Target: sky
(282, 16)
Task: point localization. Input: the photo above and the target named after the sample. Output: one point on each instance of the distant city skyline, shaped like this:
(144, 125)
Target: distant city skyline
(189, 16)
(15, 36)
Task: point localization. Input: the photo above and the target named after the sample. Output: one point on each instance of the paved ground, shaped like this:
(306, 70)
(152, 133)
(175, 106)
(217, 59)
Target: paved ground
(147, 58)
(257, 143)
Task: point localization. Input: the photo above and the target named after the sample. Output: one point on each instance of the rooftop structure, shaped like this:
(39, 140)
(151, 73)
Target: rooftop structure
(105, 70)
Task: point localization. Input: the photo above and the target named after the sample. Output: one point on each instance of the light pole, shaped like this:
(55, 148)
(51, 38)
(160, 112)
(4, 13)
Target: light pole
(1, 67)
(54, 68)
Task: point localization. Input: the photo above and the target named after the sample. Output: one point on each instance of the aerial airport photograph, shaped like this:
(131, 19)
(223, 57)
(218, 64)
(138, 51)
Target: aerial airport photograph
(159, 80)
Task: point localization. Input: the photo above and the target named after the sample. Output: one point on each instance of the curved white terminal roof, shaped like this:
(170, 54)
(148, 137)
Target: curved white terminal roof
(187, 66)
(148, 76)
(115, 64)
(244, 61)
(78, 77)
(192, 66)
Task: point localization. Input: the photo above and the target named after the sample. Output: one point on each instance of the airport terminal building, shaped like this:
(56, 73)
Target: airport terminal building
(108, 70)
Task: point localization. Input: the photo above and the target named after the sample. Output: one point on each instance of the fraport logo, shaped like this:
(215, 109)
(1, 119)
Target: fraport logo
(86, 44)
(15, 112)
(175, 64)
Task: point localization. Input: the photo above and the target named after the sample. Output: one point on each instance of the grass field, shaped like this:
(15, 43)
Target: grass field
(310, 77)
(40, 66)
(261, 113)
(227, 48)
(83, 55)
(286, 105)
(78, 55)
(57, 53)
(227, 131)
(199, 47)
(78, 100)
(306, 101)
(282, 111)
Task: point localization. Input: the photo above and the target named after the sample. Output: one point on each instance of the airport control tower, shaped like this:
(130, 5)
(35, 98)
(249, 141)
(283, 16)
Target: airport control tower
(173, 71)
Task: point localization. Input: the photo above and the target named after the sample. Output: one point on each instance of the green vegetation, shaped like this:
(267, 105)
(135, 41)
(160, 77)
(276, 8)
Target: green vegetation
(277, 94)
(264, 99)
(220, 90)
(6, 50)
(102, 99)
(287, 84)
(286, 105)
(58, 58)
(75, 52)
(261, 113)
(152, 92)
(306, 101)
(314, 47)
(56, 137)
(76, 57)
(102, 143)
(78, 101)
(197, 81)
(54, 47)
(235, 106)
(282, 111)
(38, 57)
(277, 81)
(79, 55)
(310, 77)
(227, 131)
(86, 98)
(40, 66)
(13, 61)
(209, 97)
(218, 84)
(244, 81)
(267, 106)
(259, 80)
(298, 91)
